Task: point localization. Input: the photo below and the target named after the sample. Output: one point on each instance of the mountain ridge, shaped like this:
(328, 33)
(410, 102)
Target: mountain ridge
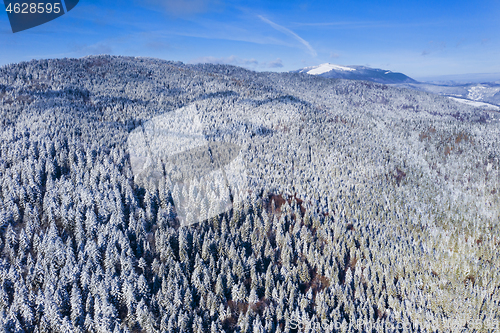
(474, 89)
(357, 73)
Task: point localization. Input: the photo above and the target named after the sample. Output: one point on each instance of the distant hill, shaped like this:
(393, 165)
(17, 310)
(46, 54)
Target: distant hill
(462, 78)
(477, 92)
(472, 87)
(357, 73)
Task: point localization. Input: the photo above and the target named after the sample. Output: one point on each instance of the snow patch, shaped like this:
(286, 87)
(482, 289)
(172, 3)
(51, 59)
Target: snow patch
(324, 68)
(480, 92)
(475, 103)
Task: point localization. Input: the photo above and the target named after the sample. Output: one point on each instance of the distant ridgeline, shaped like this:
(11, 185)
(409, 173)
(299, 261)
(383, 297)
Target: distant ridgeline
(480, 93)
(357, 73)
(142, 195)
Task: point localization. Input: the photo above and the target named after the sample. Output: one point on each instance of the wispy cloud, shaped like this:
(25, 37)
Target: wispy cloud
(224, 32)
(180, 7)
(339, 24)
(367, 24)
(48, 56)
(157, 45)
(231, 60)
(434, 46)
(460, 42)
(278, 63)
(237, 61)
(97, 48)
(290, 33)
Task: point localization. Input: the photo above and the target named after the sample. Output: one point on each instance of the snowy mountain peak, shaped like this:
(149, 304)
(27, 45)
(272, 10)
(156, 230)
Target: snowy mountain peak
(327, 67)
(357, 73)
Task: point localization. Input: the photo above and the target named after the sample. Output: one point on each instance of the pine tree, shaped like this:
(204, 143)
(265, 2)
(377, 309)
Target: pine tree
(77, 313)
(253, 298)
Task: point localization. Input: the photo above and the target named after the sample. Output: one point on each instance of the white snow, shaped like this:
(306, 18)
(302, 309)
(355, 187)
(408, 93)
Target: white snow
(475, 103)
(323, 68)
(479, 92)
(476, 92)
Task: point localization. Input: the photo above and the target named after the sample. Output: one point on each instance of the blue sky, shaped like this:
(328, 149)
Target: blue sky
(419, 38)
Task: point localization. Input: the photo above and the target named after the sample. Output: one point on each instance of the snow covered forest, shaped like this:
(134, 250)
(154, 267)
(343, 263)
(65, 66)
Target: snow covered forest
(360, 208)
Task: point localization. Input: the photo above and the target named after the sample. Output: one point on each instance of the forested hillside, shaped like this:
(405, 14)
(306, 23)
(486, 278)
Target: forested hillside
(354, 206)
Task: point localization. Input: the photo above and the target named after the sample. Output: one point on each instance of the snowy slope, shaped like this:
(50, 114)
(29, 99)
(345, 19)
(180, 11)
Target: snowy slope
(325, 68)
(357, 73)
(486, 92)
(479, 92)
(476, 103)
